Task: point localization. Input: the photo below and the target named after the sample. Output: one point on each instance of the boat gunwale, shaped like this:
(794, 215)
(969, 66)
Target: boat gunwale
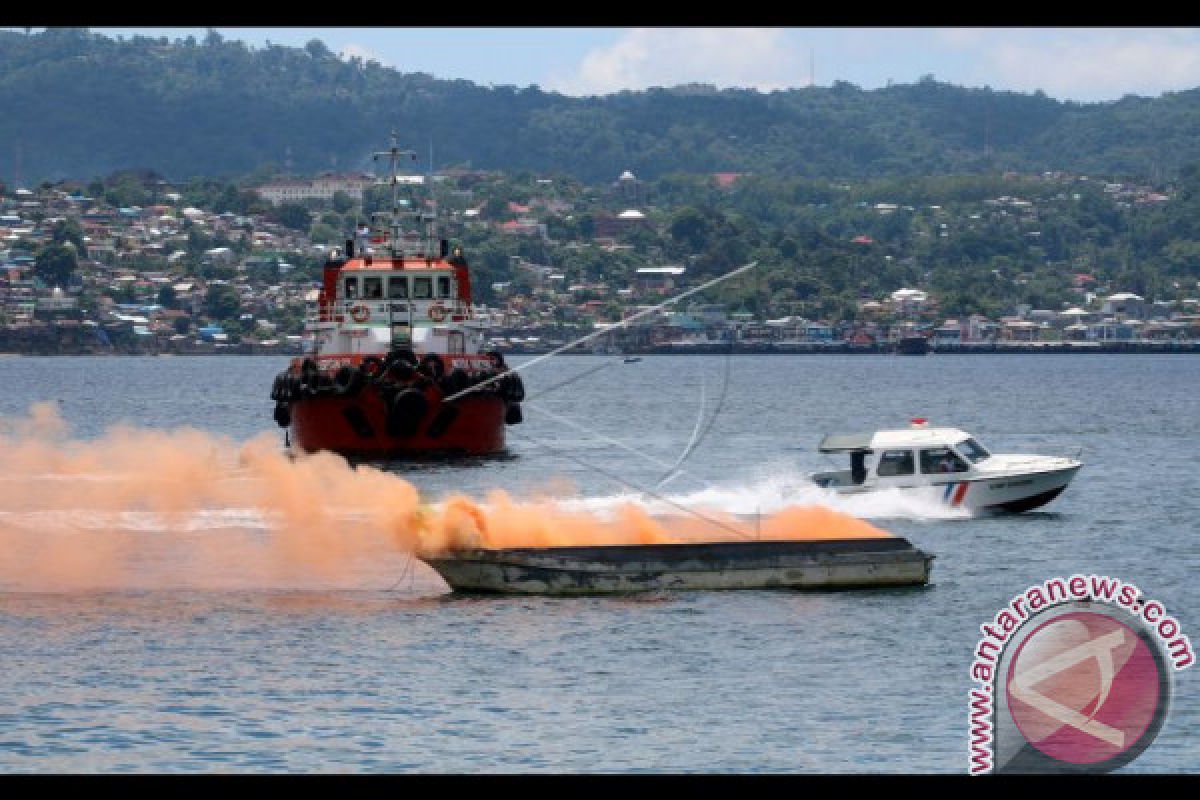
(691, 556)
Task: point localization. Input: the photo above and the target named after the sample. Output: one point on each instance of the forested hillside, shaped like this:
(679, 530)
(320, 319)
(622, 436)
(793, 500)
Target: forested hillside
(79, 104)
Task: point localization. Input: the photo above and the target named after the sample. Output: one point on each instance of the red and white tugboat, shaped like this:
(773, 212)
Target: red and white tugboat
(398, 367)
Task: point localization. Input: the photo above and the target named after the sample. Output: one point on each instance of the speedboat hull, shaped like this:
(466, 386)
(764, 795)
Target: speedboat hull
(1008, 493)
(1012, 493)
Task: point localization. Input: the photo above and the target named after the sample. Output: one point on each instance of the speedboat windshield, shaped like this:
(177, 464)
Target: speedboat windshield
(973, 450)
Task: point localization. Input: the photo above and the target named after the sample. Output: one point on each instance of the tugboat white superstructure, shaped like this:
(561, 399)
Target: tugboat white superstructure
(946, 464)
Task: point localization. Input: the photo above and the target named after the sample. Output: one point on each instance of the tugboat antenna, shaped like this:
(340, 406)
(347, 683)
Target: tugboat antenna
(393, 155)
(433, 231)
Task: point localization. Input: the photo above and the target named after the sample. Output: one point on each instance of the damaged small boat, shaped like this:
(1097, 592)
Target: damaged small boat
(613, 569)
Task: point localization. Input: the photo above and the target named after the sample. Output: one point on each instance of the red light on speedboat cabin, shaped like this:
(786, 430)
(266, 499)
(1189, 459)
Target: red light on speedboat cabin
(919, 422)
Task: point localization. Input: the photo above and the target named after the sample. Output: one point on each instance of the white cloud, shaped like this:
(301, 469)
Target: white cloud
(1093, 66)
(366, 54)
(960, 38)
(759, 58)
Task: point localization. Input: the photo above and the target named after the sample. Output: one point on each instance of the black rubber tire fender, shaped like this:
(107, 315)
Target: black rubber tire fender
(402, 354)
(514, 387)
(371, 367)
(408, 409)
(458, 379)
(347, 381)
(433, 366)
(310, 374)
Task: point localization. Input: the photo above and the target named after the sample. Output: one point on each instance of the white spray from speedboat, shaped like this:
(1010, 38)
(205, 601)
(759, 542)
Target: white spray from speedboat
(778, 487)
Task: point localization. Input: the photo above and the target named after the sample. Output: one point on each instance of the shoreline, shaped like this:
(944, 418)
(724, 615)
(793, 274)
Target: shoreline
(794, 348)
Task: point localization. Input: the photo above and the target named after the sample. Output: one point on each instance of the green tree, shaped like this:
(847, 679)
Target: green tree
(222, 301)
(323, 233)
(54, 264)
(292, 215)
(342, 202)
(68, 230)
(167, 296)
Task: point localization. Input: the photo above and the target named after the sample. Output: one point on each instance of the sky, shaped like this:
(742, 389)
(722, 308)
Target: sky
(1077, 64)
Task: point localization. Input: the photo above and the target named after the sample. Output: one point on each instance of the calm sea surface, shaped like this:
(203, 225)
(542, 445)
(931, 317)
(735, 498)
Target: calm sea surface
(401, 675)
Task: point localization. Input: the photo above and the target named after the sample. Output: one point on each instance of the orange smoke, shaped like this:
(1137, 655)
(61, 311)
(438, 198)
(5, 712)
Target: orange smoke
(140, 508)
(506, 523)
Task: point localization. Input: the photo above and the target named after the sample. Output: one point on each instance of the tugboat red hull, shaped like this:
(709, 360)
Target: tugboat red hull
(358, 427)
(396, 406)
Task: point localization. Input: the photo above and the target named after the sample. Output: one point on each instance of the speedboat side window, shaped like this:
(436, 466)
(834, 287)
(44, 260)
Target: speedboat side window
(941, 459)
(858, 466)
(973, 450)
(895, 462)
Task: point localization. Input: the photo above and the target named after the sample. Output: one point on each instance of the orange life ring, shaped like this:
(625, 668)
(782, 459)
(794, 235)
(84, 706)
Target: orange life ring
(437, 312)
(360, 313)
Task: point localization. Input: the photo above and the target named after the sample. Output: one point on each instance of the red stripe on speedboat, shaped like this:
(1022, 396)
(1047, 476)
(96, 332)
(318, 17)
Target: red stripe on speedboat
(960, 492)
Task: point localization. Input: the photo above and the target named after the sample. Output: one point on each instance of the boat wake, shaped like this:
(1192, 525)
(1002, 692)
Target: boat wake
(246, 519)
(777, 489)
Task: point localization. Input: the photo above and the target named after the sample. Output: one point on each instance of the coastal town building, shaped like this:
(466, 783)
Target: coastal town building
(322, 187)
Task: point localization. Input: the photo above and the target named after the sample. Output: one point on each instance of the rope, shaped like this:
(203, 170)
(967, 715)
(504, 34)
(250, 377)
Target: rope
(407, 570)
(626, 483)
(696, 440)
(605, 331)
(615, 442)
(572, 379)
(672, 473)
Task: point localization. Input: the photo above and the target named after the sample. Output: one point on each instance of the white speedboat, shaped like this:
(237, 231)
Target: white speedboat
(946, 464)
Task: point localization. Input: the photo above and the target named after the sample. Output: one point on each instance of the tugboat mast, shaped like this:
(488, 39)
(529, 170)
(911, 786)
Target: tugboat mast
(395, 237)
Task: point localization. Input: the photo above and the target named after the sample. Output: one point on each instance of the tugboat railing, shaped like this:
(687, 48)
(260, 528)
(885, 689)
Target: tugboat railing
(344, 311)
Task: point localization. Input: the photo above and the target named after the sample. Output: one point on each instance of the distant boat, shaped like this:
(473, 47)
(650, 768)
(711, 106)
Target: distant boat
(632, 359)
(915, 344)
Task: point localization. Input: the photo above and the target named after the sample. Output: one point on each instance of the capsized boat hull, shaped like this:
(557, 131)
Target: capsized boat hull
(615, 569)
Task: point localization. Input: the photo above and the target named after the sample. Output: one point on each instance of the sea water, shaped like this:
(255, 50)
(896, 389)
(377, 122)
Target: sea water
(389, 671)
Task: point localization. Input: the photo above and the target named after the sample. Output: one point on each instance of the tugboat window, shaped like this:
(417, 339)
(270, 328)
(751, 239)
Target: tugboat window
(941, 459)
(443, 286)
(351, 288)
(372, 288)
(895, 462)
(422, 288)
(398, 287)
